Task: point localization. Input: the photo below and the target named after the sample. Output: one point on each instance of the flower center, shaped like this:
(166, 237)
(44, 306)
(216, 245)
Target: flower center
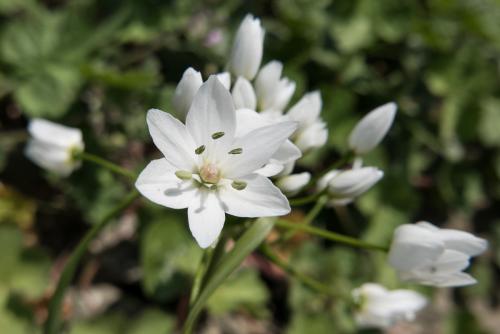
(209, 173)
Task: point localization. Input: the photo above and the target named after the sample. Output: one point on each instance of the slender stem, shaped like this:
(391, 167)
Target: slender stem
(320, 203)
(106, 164)
(304, 279)
(330, 235)
(200, 272)
(307, 199)
(53, 321)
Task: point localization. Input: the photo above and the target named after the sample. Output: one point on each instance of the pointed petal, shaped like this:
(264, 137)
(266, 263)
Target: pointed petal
(172, 139)
(258, 147)
(463, 241)
(244, 95)
(260, 198)
(185, 91)
(206, 217)
(270, 169)
(225, 79)
(55, 134)
(287, 153)
(291, 184)
(158, 183)
(312, 136)
(307, 110)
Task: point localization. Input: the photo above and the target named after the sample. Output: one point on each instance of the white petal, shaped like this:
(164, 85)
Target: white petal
(353, 182)
(463, 241)
(244, 95)
(258, 146)
(450, 261)
(225, 79)
(212, 111)
(246, 53)
(413, 246)
(287, 153)
(172, 139)
(312, 136)
(270, 169)
(55, 134)
(260, 198)
(206, 217)
(307, 109)
(291, 184)
(51, 157)
(185, 91)
(272, 92)
(158, 183)
(372, 128)
(325, 180)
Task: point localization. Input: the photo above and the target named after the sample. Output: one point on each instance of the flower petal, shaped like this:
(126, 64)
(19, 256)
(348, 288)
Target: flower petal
(463, 242)
(225, 79)
(55, 134)
(172, 139)
(185, 91)
(244, 95)
(307, 110)
(158, 183)
(260, 198)
(291, 184)
(206, 217)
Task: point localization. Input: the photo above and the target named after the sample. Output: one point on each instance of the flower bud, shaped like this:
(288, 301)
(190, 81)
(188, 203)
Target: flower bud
(190, 82)
(273, 92)
(52, 146)
(244, 95)
(246, 54)
(372, 128)
(292, 184)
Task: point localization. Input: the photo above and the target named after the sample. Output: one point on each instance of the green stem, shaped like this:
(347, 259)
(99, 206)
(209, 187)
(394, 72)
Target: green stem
(320, 204)
(53, 321)
(105, 163)
(330, 235)
(304, 279)
(205, 260)
(307, 199)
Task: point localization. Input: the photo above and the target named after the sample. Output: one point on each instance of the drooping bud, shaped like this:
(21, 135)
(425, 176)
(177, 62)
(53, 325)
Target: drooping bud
(239, 185)
(184, 174)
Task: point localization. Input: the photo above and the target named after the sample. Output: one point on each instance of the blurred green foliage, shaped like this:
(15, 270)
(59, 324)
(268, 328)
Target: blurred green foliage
(99, 65)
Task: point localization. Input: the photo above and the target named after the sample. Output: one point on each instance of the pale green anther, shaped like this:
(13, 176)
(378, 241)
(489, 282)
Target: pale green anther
(236, 151)
(239, 185)
(217, 135)
(200, 150)
(184, 174)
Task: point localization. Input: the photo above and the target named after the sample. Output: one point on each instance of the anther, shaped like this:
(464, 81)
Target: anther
(200, 150)
(217, 135)
(236, 151)
(184, 174)
(239, 185)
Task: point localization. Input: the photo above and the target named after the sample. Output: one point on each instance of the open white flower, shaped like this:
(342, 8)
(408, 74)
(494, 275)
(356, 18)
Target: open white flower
(372, 128)
(273, 92)
(52, 146)
(425, 254)
(185, 91)
(246, 54)
(312, 131)
(382, 308)
(208, 169)
(345, 185)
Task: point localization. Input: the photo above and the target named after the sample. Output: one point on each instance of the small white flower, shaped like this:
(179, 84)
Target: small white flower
(425, 254)
(293, 183)
(372, 128)
(345, 185)
(52, 146)
(312, 131)
(273, 92)
(210, 170)
(381, 308)
(246, 54)
(244, 95)
(185, 91)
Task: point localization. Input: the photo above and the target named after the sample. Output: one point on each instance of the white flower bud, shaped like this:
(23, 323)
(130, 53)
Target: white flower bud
(372, 128)
(380, 308)
(292, 184)
(246, 54)
(244, 95)
(425, 254)
(185, 91)
(273, 92)
(52, 145)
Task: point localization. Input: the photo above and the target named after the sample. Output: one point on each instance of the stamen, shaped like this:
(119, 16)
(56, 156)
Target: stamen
(184, 174)
(236, 151)
(217, 135)
(200, 150)
(239, 185)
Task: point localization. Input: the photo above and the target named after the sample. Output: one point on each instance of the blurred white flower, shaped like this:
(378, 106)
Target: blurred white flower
(185, 91)
(244, 95)
(312, 131)
(425, 254)
(273, 92)
(381, 308)
(372, 128)
(52, 146)
(345, 185)
(293, 183)
(208, 169)
(248, 44)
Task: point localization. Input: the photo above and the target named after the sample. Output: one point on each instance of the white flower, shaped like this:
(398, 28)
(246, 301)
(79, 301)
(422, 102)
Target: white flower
(246, 54)
(372, 128)
(52, 146)
(345, 185)
(244, 95)
(208, 169)
(381, 308)
(312, 131)
(185, 91)
(426, 254)
(273, 93)
(292, 184)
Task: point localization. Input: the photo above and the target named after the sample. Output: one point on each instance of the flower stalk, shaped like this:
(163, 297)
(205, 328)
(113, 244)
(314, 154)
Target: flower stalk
(104, 163)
